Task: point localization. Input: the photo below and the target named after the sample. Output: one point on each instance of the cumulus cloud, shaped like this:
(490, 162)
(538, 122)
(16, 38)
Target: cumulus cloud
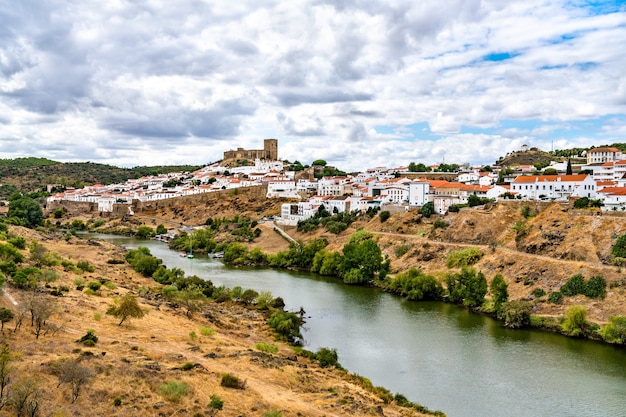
(131, 83)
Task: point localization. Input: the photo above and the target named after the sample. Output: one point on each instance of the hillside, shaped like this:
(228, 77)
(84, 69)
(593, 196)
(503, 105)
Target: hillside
(131, 363)
(539, 252)
(30, 175)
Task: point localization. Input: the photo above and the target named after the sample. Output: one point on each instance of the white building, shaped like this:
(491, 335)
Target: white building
(556, 187)
(419, 193)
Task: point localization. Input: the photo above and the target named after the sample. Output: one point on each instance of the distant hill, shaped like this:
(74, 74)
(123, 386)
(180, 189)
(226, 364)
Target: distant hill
(529, 157)
(31, 175)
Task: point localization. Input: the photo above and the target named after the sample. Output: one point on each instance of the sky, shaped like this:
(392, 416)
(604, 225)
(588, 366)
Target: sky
(357, 83)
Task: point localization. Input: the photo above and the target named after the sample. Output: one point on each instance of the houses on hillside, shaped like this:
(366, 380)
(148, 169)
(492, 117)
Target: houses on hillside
(377, 188)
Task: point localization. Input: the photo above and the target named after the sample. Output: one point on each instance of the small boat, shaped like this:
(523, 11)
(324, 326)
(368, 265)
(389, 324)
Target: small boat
(190, 255)
(182, 254)
(216, 254)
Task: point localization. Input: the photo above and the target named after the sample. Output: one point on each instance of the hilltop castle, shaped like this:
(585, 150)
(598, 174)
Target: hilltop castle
(269, 152)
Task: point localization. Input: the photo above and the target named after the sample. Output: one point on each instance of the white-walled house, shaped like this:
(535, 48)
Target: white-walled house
(614, 198)
(282, 188)
(602, 155)
(419, 193)
(557, 187)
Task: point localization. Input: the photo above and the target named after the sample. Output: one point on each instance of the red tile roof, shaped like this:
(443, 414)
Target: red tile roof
(604, 150)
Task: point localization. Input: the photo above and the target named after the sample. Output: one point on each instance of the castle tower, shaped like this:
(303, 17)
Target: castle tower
(270, 146)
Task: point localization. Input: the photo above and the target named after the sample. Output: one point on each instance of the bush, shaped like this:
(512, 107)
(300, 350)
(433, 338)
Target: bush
(266, 347)
(415, 285)
(428, 209)
(187, 366)
(216, 403)
(384, 216)
(286, 324)
(231, 381)
(206, 331)
(117, 401)
(539, 292)
(555, 297)
(595, 287)
(574, 323)
(463, 257)
(440, 224)
(516, 314)
(174, 391)
(619, 248)
(327, 357)
(615, 330)
(94, 286)
(273, 413)
(89, 339)
(85, 266)
(574, 286)
(19, 242)
(499, 292)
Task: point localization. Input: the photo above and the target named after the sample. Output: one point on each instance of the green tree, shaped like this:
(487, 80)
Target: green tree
(161, 230)
(619, 248)
(574, 286)
(384, 216)
(27, 211)
(6, 315)
(575, 320)
(144, 232)
(568, 170)
(126, 308)
(468, 287)
(516, 314)
(286, 324)
(361, 254)
(319, 162)
(428, 209)
(615, 330)
(499, 292)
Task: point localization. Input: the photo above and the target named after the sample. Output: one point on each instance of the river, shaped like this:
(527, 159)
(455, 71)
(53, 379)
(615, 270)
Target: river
(439, 355)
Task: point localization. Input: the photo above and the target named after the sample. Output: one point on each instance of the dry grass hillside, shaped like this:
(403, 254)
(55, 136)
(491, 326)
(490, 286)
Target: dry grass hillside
(131, 363)
(542, 250)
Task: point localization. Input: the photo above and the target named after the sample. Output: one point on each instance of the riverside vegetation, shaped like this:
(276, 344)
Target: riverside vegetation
(175, 343)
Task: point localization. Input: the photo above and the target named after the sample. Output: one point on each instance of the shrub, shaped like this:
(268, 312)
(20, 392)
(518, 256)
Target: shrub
(19, 242)
(463, 257)
(80, 283)
(401, 250)
(117, 401)
(174, 391)
(440, 224)
(273, 413)
(428, 209)
(595, 287)
(89, 339)
(187, 366)
(266, 347)
(94, 286)
(231, 381)
(327, 357)
(619, 248)
(85, 266)
(516, 314)
(206, 331)
(615, 330)
(287, 324)
(539, 292)
(574, 322)
(216, 403)
(384, 216)
(415, 285)
(555, 297)
(574, 286)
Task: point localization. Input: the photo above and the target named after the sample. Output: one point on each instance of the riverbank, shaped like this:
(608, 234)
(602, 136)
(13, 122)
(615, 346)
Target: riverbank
(134, 367)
